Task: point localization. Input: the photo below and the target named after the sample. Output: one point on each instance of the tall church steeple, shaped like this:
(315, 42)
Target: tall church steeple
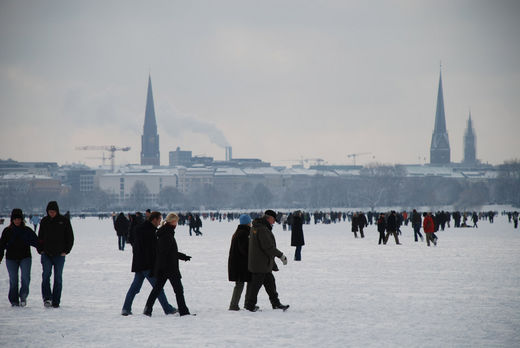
(470, 144)
(150, 139)
(440, 145)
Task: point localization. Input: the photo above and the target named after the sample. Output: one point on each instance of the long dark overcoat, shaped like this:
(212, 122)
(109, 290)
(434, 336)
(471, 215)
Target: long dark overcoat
(238, 253)
(297, 231)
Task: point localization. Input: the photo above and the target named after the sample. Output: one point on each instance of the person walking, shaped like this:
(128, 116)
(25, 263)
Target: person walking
(121, 225)
(167, 266)
(429, 229)
(355, 224)
(416, 224)
(391, 227)
(17, 239)
(143, 259)
(237, 260)
(262, 251)
(55, 241)
(297, 239)
(381, 227)
(35, 220)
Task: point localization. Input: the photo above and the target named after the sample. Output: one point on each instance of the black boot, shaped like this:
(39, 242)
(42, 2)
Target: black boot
(280, 306)
(147, 311)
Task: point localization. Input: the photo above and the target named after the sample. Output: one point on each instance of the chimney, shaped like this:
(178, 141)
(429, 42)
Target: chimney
(229, 155)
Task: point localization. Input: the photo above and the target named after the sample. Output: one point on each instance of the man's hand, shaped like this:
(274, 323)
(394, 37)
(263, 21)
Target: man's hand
(284, 259)
(63, 254)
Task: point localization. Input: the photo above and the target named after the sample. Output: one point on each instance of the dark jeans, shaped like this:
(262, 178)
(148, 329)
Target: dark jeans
(298, 253)
(417, 232)
(253, 287)
(48, 263)
(177, 288)
(388, 233)
(24, 265)
(381, 237)
(121, 242)
(135, 287)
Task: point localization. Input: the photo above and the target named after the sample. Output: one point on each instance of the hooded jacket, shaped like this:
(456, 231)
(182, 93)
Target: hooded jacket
(55, 235)
(262, 247)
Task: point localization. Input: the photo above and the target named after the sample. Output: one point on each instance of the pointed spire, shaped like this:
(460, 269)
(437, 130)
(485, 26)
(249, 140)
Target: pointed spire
(150, 125)
(440, 145)
(470, 143)
(150, 138)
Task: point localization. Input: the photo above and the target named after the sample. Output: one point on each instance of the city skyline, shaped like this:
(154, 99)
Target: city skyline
(275, 81)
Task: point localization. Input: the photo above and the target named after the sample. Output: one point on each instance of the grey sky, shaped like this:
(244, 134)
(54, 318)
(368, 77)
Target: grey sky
(278, 79)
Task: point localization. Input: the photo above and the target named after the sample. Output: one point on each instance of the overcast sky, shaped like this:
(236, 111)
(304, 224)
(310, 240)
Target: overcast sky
(277, 80)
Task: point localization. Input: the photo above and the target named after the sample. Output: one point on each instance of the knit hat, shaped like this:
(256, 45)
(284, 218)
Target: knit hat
(53, 205)
(245, 219)
(17, 214)
(270, 213)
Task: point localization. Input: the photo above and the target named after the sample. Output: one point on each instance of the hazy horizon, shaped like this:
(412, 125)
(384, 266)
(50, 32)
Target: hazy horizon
(276, 80)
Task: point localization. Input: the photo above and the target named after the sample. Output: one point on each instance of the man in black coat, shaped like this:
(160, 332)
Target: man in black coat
(262, 251)
(297, 239)
(143, 260)
(55, 240)
(391, 227)
(237, 260)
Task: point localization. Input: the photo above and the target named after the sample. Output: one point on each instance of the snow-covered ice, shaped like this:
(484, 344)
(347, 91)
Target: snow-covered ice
(345, 293)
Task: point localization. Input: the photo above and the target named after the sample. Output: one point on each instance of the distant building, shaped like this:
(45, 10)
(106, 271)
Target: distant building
(470, 144)
(440, 145)
(150, 139)
(180, 158)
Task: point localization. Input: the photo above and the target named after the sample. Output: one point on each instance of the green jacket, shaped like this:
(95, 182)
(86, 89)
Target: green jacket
(262, 248)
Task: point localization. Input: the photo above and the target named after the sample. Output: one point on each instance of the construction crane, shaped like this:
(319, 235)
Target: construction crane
(110, 148)
(355, 155)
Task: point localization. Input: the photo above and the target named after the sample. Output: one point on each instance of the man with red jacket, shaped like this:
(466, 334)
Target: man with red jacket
(429, 229)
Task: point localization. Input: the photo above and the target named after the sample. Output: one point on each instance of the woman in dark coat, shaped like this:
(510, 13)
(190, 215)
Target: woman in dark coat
(167, 265)
(237, 261)
(17, 238)
(297, 235)
(121, 225)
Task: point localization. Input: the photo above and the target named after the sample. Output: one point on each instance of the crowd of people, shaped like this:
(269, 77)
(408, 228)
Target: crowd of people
(156, 254)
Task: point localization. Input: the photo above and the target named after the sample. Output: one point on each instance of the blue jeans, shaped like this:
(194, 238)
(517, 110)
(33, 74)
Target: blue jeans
(417, 232)
(48, 263)
(121, 242)
(298, 253)
(135, 287)
(12, 268)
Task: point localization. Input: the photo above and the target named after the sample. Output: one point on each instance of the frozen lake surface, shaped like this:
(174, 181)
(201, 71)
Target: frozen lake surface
(345, 293)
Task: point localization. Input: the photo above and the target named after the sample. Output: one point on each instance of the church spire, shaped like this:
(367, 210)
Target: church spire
(470, 143)
(150, 138)
(440, 145)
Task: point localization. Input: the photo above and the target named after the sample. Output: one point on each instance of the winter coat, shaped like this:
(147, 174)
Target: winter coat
(297, 231)
(416, 219)
(362, 221)
(391, 223)
(168, 255)
(354, 223)
(381, 225)
(55, 235)
(262, 248)
(428, 225)
(144, 247)
(135, 222)
(121, 225)
(238, 254)
(17, 239)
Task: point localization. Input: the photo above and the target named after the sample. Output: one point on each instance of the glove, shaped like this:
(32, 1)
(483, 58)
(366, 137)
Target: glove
(284, 259)
(187, 258)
